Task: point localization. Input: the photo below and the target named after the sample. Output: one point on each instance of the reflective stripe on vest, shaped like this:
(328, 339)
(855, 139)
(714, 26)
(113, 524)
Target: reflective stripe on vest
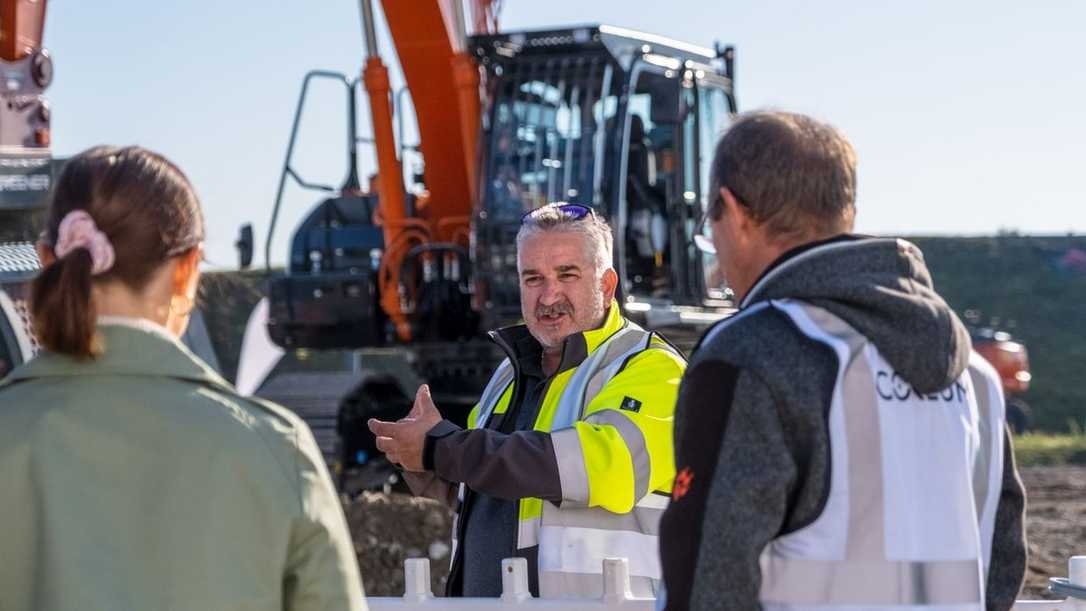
(488, 401)
(596, 371)
(573, 540)
(931, 555)
(988, 473)
(461, 492)
(590, 377)
(501, 380)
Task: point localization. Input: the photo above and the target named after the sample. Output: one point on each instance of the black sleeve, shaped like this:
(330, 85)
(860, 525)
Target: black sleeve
(1007, 567)
(506, 466)
(735, 476)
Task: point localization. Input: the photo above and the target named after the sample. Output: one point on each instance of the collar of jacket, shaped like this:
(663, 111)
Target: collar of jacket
(516, 340)
(796, 256)
(127, 350)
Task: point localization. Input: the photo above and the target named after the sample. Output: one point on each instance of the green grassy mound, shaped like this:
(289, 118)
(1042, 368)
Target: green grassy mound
(1040, 449)
(1035, 288)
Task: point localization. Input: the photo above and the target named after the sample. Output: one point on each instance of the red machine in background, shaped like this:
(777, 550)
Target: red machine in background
(1011, 361)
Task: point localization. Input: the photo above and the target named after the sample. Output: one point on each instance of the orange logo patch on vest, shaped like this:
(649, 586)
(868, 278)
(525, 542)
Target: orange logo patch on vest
(682, 483)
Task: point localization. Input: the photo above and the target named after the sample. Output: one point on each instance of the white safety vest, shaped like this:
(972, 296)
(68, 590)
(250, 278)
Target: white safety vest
(914, 485)
(574, 541)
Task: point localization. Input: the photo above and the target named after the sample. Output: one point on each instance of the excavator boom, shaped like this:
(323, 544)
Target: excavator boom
(444, 82)
(22, 24)
(425, 37)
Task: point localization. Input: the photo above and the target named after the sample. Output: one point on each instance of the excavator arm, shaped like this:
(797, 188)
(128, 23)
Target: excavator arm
(443, 79)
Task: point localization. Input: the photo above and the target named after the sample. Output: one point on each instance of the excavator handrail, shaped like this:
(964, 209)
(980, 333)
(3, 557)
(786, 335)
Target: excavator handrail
(309, 185)
(288, 169)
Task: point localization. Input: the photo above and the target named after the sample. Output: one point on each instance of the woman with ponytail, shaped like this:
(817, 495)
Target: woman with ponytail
(131, 475)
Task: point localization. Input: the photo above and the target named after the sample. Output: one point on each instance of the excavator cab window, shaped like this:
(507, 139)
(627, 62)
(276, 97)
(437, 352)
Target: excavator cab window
(675, 115)
(652, 179)
(546, 135)
(715, 110)
(546, 115)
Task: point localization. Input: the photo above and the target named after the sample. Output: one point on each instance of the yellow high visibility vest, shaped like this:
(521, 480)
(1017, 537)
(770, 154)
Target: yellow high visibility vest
(615, 461)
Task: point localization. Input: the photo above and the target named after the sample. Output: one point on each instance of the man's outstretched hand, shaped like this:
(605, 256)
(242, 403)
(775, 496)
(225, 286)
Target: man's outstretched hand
(402, 441)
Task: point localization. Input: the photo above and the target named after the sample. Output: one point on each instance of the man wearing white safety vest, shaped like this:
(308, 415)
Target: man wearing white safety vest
(838, 443)
(568, 456)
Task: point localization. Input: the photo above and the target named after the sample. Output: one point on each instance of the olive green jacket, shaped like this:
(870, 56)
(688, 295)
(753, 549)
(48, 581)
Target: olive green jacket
(142, 480)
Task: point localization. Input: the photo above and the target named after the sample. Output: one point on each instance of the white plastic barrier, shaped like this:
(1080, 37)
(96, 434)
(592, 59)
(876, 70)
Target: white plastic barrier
(616, 591)
(515, 594)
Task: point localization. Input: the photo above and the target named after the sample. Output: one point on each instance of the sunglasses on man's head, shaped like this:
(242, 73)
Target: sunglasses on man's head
(572, 211)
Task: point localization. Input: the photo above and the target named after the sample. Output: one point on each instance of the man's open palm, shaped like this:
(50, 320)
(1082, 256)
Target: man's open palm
(403, 441)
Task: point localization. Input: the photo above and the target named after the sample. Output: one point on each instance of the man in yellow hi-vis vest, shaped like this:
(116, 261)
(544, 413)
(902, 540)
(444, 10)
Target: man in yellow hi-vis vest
(567, 458)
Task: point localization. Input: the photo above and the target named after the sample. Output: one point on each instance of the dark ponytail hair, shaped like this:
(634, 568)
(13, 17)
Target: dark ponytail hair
(147, 209)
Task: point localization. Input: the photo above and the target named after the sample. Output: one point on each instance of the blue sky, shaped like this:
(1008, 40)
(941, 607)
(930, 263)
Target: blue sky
(967, 116)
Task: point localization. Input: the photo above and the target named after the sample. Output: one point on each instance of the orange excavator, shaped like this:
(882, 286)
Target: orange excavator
(410, 273)
(26, 70)
(26, 166)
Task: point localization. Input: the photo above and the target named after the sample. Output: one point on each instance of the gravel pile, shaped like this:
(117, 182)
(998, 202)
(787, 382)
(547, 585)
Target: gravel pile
(388, 528)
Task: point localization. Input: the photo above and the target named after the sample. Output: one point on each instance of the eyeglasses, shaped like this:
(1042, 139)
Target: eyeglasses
(575, 212)
(703, 242)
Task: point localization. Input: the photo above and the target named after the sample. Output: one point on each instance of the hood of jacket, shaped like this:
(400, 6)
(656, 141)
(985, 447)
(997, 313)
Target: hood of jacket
(884, 290)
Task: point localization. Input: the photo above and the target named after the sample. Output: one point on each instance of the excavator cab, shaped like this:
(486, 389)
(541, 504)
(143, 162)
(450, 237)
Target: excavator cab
(617, 120)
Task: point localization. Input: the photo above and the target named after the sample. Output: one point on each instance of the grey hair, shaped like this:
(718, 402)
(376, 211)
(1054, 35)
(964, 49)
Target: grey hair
(593, 226)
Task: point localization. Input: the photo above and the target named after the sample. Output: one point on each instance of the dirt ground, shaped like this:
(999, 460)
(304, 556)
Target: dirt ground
(1055, 523)
(389, 528)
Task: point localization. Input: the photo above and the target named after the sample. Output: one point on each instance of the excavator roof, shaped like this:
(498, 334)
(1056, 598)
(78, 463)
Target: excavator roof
(621, 43)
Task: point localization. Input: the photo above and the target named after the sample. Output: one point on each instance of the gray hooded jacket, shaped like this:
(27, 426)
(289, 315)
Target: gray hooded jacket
(751, 432)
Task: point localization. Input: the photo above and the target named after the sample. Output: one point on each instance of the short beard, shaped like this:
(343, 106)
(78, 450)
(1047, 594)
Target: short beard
(596, 314)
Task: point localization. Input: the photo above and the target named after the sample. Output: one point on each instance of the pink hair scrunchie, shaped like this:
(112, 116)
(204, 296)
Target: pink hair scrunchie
(78, 230)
